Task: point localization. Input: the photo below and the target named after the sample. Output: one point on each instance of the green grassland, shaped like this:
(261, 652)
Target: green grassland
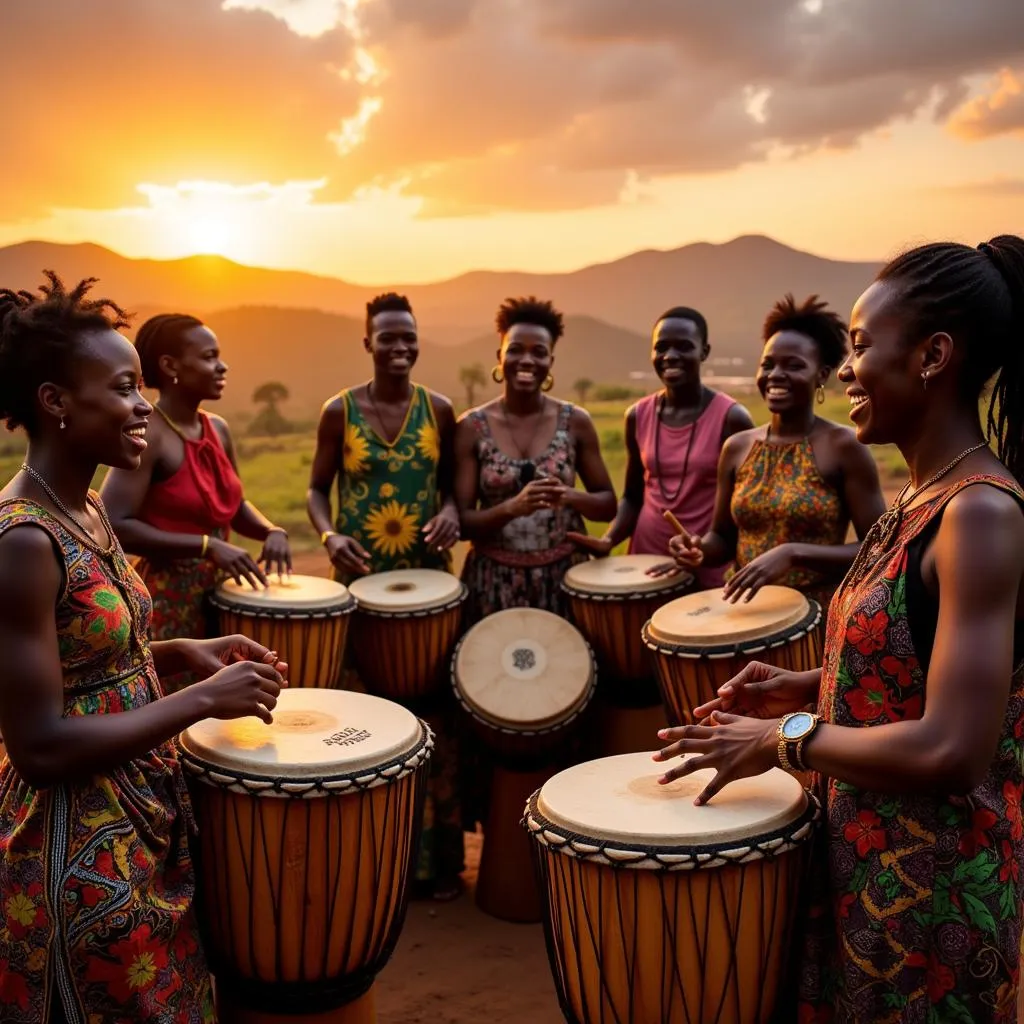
(275, 470)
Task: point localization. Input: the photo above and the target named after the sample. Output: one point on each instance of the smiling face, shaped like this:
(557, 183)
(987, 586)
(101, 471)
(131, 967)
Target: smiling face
(393, 343)
(677, 350)
(789, 373)
(198, 366)
(105, 413)
(883, 372)
(526, 356)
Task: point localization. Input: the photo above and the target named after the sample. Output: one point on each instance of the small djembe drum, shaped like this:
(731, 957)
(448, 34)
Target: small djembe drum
(524, 677)
(701, 641)
(407, 623)
(660, 912)
(610, 600)
(307, 833)
(304, 618)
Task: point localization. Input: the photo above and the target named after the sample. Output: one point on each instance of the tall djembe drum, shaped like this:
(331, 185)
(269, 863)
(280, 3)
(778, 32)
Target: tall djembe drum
(307, 830)
(610, 600)
(660, 912)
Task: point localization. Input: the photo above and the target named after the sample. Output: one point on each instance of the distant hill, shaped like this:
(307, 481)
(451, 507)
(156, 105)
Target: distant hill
(732, 284)
(315, 354)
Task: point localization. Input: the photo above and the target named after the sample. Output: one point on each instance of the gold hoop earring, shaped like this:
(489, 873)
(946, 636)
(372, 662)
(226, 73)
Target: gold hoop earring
(819, 394)
(549, 383)
(497, 376)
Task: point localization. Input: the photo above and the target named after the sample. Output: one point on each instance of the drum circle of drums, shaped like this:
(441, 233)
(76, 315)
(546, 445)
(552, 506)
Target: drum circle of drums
(610, 600)
(304, 618)
(307, 833)
(701, 641)
(657, 910)
(524, 677)
(407, 621)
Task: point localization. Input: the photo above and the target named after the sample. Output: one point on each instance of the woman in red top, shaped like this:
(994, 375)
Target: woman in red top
(176, 511)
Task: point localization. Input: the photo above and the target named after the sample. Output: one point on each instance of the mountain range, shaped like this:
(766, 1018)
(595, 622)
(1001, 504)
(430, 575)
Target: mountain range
(305, 330)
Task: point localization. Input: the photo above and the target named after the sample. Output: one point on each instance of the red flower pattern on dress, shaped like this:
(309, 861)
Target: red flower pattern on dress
(866, 833)
(1010, 870)
(868, 634)
(23, 909)
(1012, 793)
(13, 989)
(137, 960)
(869, 701)
(982, 822)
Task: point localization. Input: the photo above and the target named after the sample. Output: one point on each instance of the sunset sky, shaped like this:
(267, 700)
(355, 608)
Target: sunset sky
(389, 141)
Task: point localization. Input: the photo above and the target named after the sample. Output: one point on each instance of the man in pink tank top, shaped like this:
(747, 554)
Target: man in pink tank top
(673, 440)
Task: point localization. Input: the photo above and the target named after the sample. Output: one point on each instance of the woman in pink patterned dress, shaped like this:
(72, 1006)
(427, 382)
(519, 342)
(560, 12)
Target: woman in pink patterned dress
(914, 909)
(96, 882)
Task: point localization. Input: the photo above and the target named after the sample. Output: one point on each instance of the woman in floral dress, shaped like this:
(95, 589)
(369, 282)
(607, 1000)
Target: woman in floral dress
(914, 909)
(96, 882)
(517, 460)
(788, 491)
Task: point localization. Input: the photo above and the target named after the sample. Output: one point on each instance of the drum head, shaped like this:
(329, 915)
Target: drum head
(706, 620)
(619, 799)
(315, 733)
(622, 574)
(406, 590)
(290, 593)
(524, 668)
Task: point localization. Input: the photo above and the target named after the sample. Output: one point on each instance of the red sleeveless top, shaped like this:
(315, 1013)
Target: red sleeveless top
(202, 496)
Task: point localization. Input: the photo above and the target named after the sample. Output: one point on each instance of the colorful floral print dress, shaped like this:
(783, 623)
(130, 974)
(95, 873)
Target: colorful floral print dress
(96, 881)
(779, 497)
(389, 492)
(917, 914)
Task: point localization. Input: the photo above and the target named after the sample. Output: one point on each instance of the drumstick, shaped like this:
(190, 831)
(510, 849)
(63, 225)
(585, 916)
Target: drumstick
(675, 524)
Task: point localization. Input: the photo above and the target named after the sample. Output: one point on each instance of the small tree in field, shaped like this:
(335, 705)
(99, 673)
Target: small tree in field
(583, 387)
(269, 422)
(471, 378)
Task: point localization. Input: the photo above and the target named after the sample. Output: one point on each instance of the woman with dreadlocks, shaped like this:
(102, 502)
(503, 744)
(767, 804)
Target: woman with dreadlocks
(96, 881)
(919, 733)
(178, 508)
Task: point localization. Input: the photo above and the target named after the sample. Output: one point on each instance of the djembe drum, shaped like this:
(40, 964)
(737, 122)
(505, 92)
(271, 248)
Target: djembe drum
(610, 600)
(304, 618)
(701, 641)
(307, 833)
(407, 622)
(659, 911)
(524, 677)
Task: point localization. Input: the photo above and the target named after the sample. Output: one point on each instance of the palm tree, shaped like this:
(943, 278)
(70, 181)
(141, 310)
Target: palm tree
(582, 387)
(269, 422)
(471, 378)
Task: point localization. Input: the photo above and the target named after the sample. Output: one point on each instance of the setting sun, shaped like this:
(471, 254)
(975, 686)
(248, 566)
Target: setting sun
(207, 235)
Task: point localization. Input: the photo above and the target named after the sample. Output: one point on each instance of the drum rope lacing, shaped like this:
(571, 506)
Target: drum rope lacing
(800, 629)
(282, 614)
(253, 784)
(617, 854)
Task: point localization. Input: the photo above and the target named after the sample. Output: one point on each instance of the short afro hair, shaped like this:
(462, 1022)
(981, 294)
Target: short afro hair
(160, 336)
(529, 311)
(686, 313)
(389, 302)
(814, 319)
(40, 339)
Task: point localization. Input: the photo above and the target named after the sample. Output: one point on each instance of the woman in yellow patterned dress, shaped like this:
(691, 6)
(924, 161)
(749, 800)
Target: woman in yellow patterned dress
(388, 444)
(96, 882)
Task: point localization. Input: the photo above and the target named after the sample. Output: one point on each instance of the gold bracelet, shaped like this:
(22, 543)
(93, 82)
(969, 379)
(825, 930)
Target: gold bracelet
(325, 535)
(206, 544)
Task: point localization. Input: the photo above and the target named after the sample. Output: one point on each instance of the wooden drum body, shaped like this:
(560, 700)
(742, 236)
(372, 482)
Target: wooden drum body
(701, 641)
(659, 911)
(307, 833)
(524, 677)
(304, 618)
(407, 623)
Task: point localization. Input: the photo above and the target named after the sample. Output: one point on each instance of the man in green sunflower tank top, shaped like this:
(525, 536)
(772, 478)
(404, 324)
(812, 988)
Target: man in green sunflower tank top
(388, 444)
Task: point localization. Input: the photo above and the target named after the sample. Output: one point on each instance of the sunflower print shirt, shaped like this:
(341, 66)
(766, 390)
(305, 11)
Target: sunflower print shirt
(387, 493)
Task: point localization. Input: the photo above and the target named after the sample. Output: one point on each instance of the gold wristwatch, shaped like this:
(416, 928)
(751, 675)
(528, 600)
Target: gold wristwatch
(794, 731)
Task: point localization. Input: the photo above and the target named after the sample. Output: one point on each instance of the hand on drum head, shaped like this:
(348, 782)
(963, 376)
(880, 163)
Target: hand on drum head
(236, 562)
(277, 554)
(764, 569)
(762, 691)
(600, 547)
(686, 550)
(443, 531)
(347, 555)
(206, 657)
(735, 747)
(243, 689)
(663, 569)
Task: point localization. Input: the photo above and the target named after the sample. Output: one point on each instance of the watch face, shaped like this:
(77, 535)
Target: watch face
(797, 725)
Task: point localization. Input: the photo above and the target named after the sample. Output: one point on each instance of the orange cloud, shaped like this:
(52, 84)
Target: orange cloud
(999, 111)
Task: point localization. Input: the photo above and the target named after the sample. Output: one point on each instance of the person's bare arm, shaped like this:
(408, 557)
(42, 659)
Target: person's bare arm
(597, 502)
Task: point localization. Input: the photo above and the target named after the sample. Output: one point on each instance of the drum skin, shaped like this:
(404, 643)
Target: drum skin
(311, 640)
